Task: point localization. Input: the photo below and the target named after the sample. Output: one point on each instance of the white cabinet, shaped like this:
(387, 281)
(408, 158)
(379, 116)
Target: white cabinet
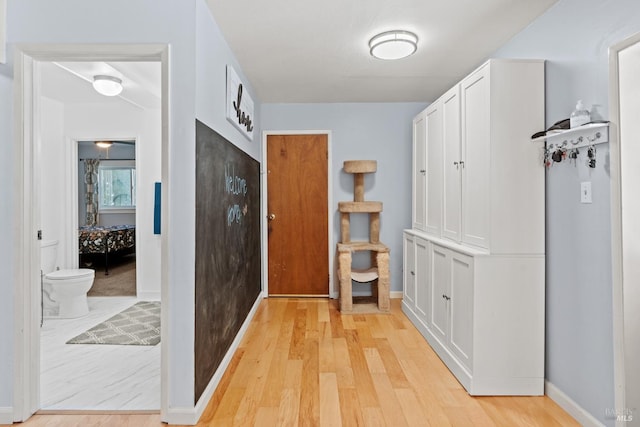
(427, 169)
(452, 302)
(475, 256)
(409, 271)
(482, 178)
(417, 290)
(475, 159)
(419, 215)
(423, 288)
(451, 165)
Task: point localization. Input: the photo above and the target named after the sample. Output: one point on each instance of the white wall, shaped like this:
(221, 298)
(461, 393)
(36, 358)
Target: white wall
(371, 131)
(121, 122)
(574, 36)
(212, 56)
(52, 175)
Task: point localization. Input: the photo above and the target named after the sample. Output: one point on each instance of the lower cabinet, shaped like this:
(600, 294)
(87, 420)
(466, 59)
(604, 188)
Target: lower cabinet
(452, 308)
(416, 291)
(483, 314)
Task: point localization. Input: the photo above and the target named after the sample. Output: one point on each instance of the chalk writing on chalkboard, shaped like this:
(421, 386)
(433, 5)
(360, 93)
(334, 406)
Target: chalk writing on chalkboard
(237, 187)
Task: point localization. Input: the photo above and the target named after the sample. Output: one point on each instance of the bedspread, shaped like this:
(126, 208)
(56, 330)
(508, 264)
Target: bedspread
(102, 240)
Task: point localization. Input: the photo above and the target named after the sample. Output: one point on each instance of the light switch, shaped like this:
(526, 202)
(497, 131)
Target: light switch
(585, 192)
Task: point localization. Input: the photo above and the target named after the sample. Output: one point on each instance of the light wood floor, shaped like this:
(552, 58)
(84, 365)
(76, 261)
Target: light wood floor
(301, 363)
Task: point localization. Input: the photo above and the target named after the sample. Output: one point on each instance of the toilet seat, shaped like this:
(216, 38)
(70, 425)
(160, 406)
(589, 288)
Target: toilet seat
(79, 273)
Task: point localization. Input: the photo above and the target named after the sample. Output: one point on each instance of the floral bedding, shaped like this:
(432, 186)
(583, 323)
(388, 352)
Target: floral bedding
(104, 240)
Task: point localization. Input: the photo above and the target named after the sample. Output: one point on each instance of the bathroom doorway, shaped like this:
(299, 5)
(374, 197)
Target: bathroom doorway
(74, 120)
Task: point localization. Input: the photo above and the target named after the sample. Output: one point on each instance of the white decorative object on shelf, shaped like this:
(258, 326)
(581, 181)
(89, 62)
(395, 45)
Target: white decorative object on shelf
(582, 136)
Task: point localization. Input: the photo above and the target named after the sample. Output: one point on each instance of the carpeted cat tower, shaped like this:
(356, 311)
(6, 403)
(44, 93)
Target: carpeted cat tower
(378, 273)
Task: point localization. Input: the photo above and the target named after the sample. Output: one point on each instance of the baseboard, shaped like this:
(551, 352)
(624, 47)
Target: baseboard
(6, 415)
(395, 294)
(569, 405)
(148, 296)
(191, 416)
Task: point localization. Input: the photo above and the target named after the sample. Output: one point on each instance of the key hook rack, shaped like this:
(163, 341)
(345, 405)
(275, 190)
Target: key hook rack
(582, 136)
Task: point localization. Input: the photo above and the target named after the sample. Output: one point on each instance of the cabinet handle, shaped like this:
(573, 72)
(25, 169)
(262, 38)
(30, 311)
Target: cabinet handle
(446, 297)
(462, 164)
(455, 164)
(412, 273)
(423, 171)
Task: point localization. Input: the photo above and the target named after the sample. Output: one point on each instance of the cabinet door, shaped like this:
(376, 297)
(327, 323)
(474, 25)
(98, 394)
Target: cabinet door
(419, 171)
(434, 169)
(423, 288)
(440, 279)
(409, 262)
(461, 306)
(451, 163)
(476, 158)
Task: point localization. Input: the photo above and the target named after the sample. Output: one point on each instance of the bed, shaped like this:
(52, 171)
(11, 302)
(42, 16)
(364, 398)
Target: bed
(106, 240)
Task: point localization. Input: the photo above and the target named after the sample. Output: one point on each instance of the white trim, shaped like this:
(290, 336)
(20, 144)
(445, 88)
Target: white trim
(619, 370)
(3, 31)
(333, 293)
(6, 415)
(395, 294)
(149, 296)
(191, 416)
(566, 403)
(26, 316)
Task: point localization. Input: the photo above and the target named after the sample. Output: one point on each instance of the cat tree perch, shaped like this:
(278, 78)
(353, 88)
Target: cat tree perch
(378, 274)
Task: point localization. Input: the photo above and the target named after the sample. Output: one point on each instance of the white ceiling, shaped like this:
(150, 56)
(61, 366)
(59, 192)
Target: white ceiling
(316, 51)
(71, 82)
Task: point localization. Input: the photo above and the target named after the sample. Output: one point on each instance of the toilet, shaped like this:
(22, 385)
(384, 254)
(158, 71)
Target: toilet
(64, 291)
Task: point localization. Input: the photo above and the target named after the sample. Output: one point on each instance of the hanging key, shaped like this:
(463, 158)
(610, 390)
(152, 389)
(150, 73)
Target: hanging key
(573, 155)
(591, 156)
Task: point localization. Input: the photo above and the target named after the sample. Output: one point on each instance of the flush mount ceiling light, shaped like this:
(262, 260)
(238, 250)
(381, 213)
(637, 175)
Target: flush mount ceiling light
(107, 85)
(104, 144)
(395, 44)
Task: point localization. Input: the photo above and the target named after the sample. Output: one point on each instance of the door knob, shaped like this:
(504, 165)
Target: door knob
(271, 216)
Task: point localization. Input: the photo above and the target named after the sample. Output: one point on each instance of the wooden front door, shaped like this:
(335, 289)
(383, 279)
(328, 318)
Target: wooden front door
(297, 214)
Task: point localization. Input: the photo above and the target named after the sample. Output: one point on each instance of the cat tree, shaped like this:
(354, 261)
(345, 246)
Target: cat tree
(378, 274)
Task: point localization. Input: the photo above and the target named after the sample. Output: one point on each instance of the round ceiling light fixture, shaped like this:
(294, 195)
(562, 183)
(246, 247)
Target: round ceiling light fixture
(107, 85)
(104, 144)
(396, 44)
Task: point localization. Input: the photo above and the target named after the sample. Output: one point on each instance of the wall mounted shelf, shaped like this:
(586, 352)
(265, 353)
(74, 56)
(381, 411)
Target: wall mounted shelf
(582, 136)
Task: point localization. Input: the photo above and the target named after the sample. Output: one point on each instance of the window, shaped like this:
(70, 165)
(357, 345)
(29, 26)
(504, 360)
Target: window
(117, 185)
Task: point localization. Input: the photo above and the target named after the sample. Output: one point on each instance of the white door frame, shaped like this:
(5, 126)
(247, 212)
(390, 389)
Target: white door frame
(333, 293)
(620, 300)
(26, 399)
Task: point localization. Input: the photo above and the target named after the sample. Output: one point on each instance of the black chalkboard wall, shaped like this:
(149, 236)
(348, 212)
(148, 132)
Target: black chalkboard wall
(227, 247)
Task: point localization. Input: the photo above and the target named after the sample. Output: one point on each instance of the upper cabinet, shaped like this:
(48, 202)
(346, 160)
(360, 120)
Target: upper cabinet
(419, 213)
(480, 184)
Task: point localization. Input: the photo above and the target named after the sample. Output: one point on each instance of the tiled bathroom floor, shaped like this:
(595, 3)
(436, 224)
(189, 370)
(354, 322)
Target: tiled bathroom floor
(96, 377)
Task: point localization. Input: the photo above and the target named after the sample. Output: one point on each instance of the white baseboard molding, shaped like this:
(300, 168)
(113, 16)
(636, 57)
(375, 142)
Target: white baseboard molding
(148, 296)
(191, 416)
(6, 415)
(569, 405)
(395, 294)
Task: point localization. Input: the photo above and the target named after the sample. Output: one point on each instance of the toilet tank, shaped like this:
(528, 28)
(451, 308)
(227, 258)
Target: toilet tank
(48, 255)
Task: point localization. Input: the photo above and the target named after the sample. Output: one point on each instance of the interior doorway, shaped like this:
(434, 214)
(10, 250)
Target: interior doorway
(28, 83)
(297, 214)
(625, 228)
